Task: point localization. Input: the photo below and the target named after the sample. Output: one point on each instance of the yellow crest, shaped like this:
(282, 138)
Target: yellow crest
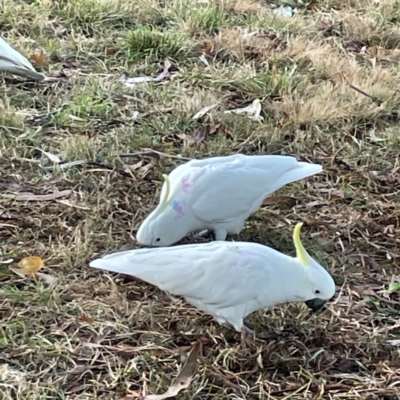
(164, 203)
(300, 251)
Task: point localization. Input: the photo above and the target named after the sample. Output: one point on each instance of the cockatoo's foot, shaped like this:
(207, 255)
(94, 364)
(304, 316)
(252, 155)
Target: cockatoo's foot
(206, 234)
(220, 234)
(217, 234)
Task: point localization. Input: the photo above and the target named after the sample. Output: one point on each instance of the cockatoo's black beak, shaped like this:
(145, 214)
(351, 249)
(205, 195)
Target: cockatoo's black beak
(315, 304)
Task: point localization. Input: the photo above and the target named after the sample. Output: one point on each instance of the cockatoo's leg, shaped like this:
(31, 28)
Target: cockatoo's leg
(220, 234)
(202, 233)
(246, 329)
(246, 334)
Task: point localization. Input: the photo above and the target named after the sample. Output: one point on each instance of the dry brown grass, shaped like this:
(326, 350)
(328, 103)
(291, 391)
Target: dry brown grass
(97, 335)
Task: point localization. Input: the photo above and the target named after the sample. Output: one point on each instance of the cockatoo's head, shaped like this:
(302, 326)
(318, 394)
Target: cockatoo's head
(319, 285)
(167, 224)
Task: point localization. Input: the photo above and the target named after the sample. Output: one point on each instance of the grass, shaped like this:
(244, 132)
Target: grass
(90, 335)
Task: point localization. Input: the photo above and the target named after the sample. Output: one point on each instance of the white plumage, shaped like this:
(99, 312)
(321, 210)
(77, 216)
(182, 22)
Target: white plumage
(228, 280)
(218, 194)
(15, 63)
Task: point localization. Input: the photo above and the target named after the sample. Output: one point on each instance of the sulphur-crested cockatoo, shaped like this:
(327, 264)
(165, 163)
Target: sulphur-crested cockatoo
(228, 280)
(15, 63)
(217, 194)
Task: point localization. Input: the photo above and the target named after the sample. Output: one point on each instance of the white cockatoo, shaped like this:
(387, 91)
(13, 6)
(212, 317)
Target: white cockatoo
(217, 194)
(15, 63)
(228, 280)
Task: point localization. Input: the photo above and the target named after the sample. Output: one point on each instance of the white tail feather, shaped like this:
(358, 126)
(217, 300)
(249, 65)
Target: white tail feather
(300, 171)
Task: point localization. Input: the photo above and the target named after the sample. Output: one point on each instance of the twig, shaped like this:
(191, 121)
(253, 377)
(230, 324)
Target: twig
(30, 186)
(312, 388)
(147, 151)
(87, 162)
(239, 389)
(28, 196)
(109, 167)
(373, 98)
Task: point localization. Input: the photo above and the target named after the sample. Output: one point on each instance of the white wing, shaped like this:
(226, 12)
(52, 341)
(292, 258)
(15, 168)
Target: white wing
(193, 168)
(216, 274)
(221, 191)
(15, 63)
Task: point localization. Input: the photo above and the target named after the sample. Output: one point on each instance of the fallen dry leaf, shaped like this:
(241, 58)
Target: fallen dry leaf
(184, 378)
(165, 73)
(187, 140)
(30, 265)
(39, 58)
(368, 290)
(27, 196)
(312, 6)
(144, 171)
(252, 111)
(214, 128)
(139, 79)
(52, 157)
(208, 48)
(112, 50)
(133, 167)
(15, 187)
(200, 134)
(87, 319)
(222, 130)
(204, 111)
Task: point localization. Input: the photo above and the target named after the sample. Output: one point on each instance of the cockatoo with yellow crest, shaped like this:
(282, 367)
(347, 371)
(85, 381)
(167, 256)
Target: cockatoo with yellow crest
(15, 63)
(228, 280)
(217, 194)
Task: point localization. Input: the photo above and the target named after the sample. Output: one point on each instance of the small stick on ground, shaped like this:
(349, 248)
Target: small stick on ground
(373, 98)
(146, 152)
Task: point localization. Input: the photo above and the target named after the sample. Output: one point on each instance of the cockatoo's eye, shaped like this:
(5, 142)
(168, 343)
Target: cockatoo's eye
(317, 291)
(158, 239)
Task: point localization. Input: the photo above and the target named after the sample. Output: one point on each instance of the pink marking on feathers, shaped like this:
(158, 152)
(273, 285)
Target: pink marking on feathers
(186, 185)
